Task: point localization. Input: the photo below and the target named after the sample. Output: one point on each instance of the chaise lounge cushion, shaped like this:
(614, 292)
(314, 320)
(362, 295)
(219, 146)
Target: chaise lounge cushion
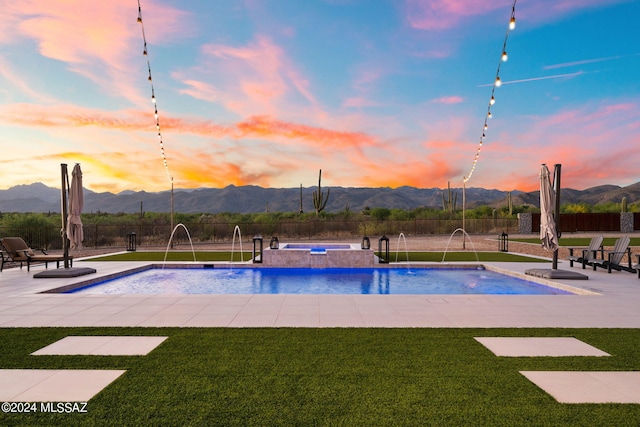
(18, 251)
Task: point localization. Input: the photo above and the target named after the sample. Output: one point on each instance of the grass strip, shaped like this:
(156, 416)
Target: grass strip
(575, 242)
(201, 256)
(334, 376)
(222, 256)
(463, 257)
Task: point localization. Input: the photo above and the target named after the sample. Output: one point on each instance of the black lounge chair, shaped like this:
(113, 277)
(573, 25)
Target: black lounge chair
(614, 257)
(637, 266)
(18, 251)
(589, 252)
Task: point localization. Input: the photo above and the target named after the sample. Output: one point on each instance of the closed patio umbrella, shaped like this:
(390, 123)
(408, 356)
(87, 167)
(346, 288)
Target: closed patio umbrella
(71, 204)
(548, 231)
(549, 225)
(76, 203)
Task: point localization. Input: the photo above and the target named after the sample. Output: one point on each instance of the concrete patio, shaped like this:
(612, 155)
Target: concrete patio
(23, 305)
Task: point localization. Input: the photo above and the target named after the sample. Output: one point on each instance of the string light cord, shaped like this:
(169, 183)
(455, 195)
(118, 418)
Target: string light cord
(497, 83)
(145, 52)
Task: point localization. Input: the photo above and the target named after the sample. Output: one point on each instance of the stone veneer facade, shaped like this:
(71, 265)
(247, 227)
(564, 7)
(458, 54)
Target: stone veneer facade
(332, 258)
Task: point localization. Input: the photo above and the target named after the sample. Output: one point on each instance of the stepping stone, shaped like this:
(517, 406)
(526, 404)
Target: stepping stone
(53, 385)
(101, 346)
(588, 387)
(539, 347)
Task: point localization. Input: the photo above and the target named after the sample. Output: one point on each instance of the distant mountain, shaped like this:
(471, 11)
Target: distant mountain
(38, 197)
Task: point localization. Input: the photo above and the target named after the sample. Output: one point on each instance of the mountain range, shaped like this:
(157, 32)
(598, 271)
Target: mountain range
(38, 197)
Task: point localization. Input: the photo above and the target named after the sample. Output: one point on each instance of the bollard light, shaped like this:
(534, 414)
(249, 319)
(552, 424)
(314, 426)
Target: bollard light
(366, 243)
(503, 242)
(257, 249)
(274, 244)
(383, 243)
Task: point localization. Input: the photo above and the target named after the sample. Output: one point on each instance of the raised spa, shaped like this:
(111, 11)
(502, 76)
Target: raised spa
(319, 255)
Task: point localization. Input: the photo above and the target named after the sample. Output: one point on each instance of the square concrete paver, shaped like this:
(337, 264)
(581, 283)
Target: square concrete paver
(539, 347)
(53, 385)
(101, 346)
(588, 387)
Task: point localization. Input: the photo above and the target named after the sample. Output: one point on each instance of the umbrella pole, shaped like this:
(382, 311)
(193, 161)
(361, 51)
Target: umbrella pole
(63, 210)
(556, 188)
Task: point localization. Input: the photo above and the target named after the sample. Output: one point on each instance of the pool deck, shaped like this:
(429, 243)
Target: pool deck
(615, 306)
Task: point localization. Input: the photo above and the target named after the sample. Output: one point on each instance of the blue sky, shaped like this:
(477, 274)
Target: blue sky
(267, 92)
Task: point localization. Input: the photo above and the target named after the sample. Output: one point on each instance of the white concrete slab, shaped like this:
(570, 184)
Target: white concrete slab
(51, 385)
(614, 306)
(539, 347)
(101, 346)
(588, 387)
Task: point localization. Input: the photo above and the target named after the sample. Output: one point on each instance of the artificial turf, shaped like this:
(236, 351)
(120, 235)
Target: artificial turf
(334, 376)
(574, 242)
(223, 256)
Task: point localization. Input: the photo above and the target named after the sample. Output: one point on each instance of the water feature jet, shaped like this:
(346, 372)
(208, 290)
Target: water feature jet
(464, 234)
(171, 239)
(236, 230)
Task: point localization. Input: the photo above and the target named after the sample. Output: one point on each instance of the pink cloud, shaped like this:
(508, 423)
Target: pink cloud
(253, 79)
(444, 14)
(438, 15)
(448, 100)
(263, 127)
(594, 143)
(104, 40)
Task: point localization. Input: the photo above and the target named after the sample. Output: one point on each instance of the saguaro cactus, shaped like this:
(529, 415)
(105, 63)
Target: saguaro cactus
(319, 198)
(300, 210)
(624, 204)
(450, 203)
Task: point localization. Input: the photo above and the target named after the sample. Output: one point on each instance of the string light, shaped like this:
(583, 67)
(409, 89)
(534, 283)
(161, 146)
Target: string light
(497, 83)
(145, 52)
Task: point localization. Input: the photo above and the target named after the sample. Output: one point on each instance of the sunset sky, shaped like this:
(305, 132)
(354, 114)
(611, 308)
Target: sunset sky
(376, 93)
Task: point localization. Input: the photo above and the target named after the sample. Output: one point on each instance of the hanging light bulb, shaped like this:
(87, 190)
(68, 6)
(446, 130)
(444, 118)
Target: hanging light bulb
(153, 99)
(497, 83)
(139, 20)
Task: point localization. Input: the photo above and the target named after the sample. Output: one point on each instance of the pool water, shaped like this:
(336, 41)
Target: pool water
(318, 281)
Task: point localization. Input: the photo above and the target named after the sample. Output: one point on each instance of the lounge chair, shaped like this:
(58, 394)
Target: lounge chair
(614, 257)
(18, 251)
(637, 266)
(589, 252)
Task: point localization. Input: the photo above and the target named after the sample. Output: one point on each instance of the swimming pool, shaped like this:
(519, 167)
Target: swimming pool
(317, 281)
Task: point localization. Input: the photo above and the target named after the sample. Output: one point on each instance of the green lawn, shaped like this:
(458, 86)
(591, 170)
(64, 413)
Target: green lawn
(574, 242)
(335, 376)
(226, 256)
